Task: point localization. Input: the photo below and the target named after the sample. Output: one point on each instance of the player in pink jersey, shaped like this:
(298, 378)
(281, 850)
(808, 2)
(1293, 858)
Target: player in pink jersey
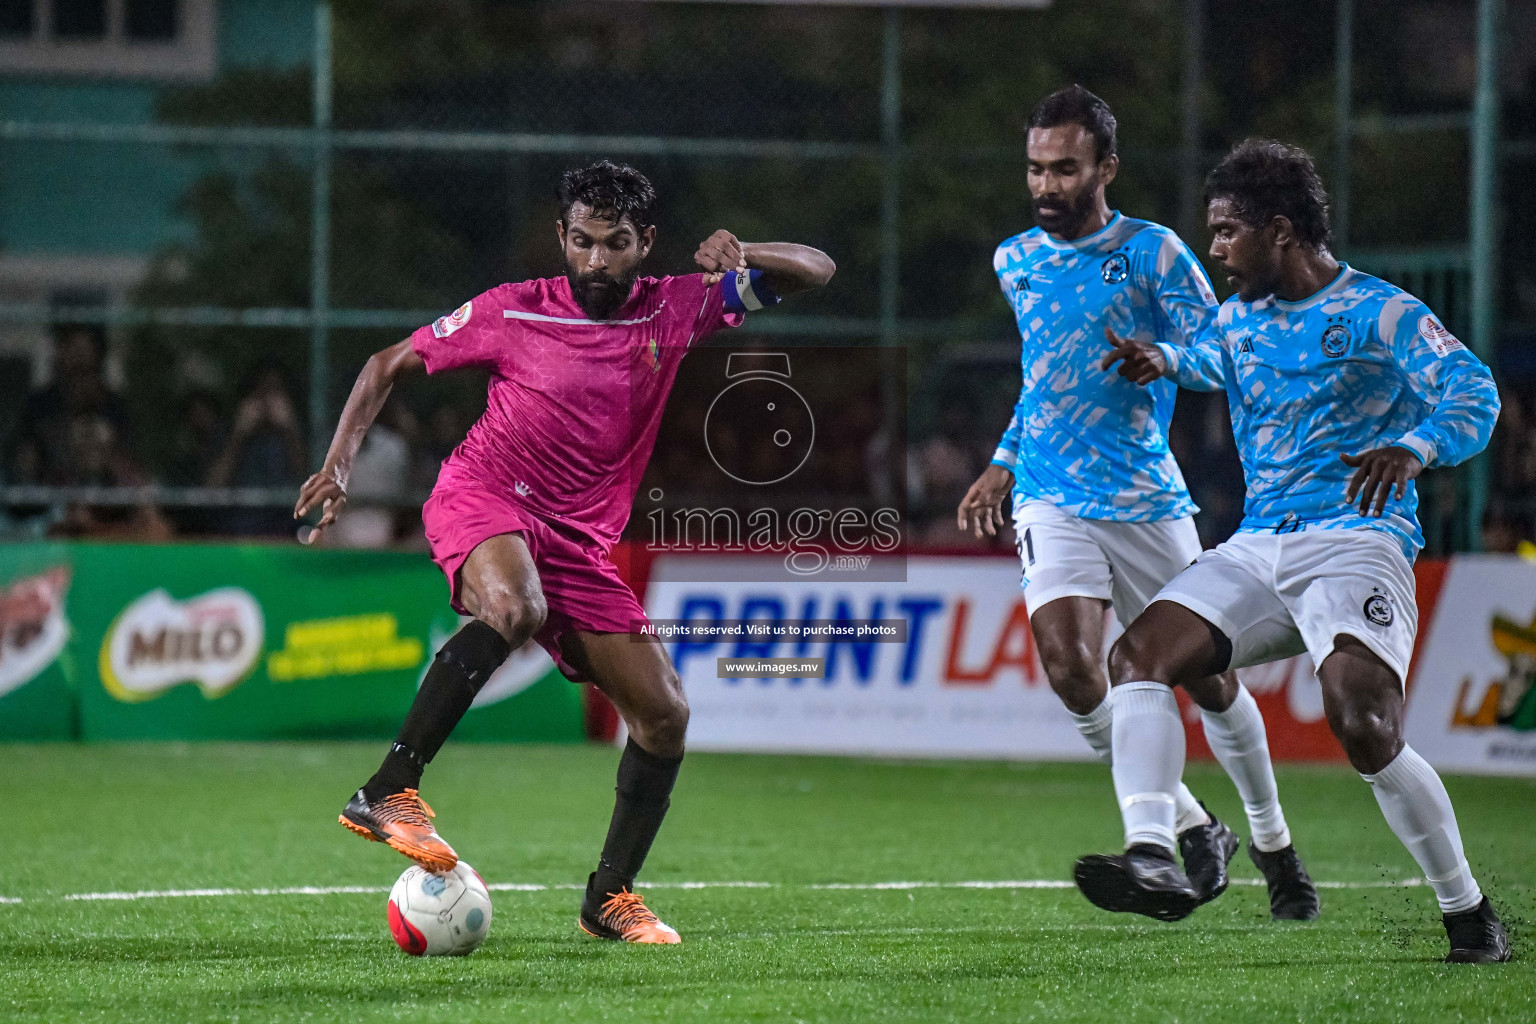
(528, 507)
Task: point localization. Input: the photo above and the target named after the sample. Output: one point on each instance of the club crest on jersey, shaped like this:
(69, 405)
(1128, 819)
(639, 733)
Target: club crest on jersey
(655, 356)
(1378, 609)
(1116, 269)
(1440, 339)
(446, 325)
(1336, 337)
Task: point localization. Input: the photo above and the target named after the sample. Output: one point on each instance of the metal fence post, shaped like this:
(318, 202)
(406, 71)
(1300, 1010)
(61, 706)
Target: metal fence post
(893, 400)
(1483, 233)
(320, 243)
(890, 177)
(1189, 146)
(1344, 69)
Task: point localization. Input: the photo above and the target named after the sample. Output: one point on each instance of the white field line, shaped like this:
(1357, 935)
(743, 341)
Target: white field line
(334, 890)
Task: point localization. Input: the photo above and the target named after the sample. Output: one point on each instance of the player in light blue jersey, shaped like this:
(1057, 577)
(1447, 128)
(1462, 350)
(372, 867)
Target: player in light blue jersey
(1100, 509)
(1343, 389)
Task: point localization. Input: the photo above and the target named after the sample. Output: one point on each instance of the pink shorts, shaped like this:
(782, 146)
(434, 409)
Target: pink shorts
(582, 589)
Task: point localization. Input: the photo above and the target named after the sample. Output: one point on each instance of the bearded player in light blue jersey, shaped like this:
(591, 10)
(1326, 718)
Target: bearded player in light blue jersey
(1100, 509)
(1343, 389)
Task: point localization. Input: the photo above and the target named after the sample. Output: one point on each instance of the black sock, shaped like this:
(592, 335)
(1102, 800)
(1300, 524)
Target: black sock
(457, 673)
(401, 770)
(644, 793)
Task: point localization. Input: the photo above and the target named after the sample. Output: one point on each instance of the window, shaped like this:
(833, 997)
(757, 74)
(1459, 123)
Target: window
(163, 39)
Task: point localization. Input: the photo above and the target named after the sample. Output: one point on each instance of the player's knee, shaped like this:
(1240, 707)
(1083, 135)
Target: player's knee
(1363, 702)
(1134, 657)
(1076, 679)
(1213, 693)
(515, 614)
(1370, 733)
(672, 725)
(665, 726)
(1370, 740)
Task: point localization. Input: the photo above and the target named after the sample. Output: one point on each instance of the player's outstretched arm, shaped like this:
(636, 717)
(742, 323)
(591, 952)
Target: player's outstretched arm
(1141, 362)
(1196, 366)
(1189, 310)
(786, 267)
(328, 487)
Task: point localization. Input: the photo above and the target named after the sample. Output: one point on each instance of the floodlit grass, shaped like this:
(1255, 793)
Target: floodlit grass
(175, 817)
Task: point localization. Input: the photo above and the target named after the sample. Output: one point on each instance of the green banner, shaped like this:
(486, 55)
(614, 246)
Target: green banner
(37, 658)
(241, 642)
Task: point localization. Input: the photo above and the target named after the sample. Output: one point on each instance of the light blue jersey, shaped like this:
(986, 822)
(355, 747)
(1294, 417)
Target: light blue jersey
(1359, 365)
(1087, 440)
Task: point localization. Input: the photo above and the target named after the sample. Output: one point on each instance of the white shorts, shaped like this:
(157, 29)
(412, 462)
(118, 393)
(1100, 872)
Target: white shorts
(1275, 596)
(1122, 563)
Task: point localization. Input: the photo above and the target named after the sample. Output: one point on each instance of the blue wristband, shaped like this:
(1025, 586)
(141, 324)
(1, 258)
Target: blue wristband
(746, 295)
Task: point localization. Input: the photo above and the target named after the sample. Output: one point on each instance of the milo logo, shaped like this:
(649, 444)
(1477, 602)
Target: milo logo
(33, 626)
(157, 642)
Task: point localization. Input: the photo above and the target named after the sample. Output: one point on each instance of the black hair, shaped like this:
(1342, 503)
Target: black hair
(96, 334)
(261, 368)
(1264, 179)
(1076, 105)
(607, 187)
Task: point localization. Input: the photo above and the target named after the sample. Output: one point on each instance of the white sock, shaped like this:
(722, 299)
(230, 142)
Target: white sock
(1187, 812)
(1415, 804)
(1148, 760)
(1237, 738)
(1096, 727)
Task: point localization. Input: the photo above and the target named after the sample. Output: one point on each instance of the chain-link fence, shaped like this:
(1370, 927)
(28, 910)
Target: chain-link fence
(195, 262)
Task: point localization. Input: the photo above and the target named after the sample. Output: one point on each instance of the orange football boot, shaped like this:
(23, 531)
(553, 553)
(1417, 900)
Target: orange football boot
(626, 918)
(403, 820)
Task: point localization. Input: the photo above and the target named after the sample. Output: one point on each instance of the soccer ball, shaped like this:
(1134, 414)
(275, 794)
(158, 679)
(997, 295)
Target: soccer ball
(439, 915)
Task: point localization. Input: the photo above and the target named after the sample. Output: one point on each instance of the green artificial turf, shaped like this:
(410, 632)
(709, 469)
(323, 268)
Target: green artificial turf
(164, 817)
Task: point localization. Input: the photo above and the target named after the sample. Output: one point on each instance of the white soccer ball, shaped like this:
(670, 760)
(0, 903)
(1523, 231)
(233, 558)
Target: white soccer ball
(439, 915)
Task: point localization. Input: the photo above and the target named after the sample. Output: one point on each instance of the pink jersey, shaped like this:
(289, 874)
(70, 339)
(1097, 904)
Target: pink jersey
(574, 404)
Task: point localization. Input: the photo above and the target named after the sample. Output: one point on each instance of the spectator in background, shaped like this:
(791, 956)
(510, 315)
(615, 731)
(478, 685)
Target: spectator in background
(948, 461)
(1515, 445)
(265, 448)
(380, 482)
(434, 441)
(93, 457)
(942, 469)
(1510, 520)
(78, 387)
(445, 428)
(1503, 530)
(198, 440)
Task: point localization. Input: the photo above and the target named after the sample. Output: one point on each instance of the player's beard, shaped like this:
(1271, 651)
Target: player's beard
(598, 294)
(1254, 283)
(1067, 218)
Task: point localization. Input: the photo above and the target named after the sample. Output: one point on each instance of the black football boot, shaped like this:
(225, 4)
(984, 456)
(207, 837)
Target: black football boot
(1477, 936)
(1292, 896)
(1145, 879)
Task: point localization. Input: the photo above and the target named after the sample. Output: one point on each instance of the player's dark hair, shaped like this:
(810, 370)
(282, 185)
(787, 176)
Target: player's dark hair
(1076, 105)
(1264, 179)
(607, 187)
